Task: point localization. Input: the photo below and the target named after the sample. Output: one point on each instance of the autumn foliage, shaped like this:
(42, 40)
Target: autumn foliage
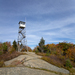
(26, 48)
(8, 51)
(62, 54)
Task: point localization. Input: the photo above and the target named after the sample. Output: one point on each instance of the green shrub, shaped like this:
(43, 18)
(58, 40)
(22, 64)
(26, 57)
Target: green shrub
(68, 63)
(1, 52)
(55, 53)
(36, 51)
(4, 46)
(47, 53)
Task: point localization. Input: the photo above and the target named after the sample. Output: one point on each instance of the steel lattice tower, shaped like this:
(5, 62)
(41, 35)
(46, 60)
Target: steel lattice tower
(22, 42)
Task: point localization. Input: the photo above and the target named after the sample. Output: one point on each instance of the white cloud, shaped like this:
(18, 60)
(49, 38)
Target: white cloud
(38, 29)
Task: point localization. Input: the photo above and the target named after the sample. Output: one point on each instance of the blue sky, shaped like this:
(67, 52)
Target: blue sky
(54, 20)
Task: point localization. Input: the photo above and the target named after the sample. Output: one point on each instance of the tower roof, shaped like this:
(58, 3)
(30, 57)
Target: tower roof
(21, 22)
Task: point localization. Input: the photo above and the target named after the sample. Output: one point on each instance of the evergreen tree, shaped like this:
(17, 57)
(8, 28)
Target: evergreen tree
(4, 47)
(14, 44)
(41, 44)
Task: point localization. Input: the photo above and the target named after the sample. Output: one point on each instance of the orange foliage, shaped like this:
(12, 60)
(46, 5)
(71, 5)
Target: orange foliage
(35, 48)
(8, 44)
(51, 47)
(71, 53)
(27, 48)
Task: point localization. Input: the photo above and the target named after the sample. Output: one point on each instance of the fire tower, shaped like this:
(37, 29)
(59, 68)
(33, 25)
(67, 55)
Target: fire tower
(22, 36)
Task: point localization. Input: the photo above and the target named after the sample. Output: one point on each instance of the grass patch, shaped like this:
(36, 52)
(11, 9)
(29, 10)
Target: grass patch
(41, 54)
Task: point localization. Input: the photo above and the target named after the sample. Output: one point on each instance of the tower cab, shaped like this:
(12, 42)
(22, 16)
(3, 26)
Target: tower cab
(22, 24)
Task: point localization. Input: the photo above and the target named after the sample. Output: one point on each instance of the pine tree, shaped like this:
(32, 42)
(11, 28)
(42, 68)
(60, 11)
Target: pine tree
(14, 44)
(41, 44)
(4, 46)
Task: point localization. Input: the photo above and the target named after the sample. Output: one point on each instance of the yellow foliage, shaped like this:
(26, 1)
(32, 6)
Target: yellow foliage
(12, 49)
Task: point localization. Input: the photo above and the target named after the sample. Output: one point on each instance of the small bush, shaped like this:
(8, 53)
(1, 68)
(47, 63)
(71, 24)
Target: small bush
(12, 50)
(47, 53)
(1, 52)
(1, 63)
(68, 63)
(36, 51)
(55, 53)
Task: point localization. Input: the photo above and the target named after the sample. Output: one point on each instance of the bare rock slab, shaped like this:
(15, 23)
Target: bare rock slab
(38, 63)
(23, 71)
(19, 58)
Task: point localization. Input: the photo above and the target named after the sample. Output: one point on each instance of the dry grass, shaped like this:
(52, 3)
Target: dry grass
(7, 56)
(53, 61)
(41, 54)
(2, 63)
(72, 71)
(59, 62)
